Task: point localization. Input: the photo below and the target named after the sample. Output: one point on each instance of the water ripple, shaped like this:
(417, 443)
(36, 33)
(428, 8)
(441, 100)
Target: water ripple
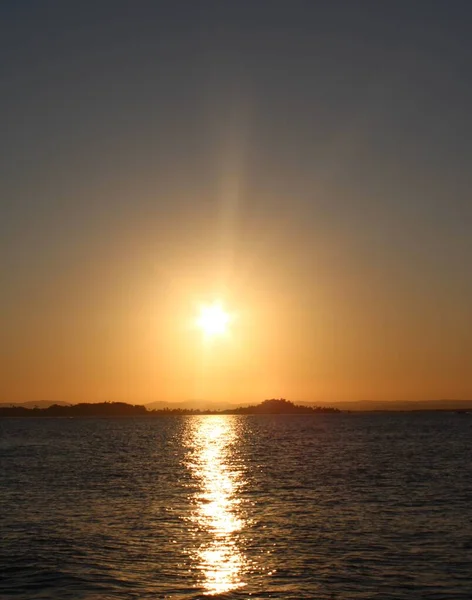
(236, 507)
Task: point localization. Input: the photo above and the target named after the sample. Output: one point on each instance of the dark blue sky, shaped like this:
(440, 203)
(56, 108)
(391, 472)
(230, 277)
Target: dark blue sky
(318, 152)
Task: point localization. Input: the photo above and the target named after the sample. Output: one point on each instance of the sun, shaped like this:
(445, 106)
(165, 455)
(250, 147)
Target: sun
(213, 320)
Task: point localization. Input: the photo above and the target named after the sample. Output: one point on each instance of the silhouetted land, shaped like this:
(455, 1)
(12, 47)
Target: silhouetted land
(121, 409)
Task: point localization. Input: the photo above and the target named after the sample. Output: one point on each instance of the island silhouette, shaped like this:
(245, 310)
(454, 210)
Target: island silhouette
(272, 406)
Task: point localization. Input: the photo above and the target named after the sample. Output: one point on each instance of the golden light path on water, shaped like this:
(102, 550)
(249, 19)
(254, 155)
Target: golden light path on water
(211, 441)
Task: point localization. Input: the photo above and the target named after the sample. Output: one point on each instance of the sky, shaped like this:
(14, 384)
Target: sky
(305, 163)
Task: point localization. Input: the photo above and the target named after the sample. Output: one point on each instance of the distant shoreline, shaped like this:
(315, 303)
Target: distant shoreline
(121, 409)
(124, 410)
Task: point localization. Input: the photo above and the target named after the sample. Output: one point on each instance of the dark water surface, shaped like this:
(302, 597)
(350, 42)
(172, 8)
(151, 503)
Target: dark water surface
(319, 506)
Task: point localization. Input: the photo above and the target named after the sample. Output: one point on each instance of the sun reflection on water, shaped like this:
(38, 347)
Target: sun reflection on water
(211, 441)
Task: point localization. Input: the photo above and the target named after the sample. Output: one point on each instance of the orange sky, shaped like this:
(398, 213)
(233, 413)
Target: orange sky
(126, 333)
(309, 168)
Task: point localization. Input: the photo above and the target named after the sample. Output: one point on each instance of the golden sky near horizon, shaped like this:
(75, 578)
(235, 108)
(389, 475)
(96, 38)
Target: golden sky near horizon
(127, 336)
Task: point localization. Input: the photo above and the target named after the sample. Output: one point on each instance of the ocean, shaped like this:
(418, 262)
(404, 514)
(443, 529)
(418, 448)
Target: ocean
(324, 506)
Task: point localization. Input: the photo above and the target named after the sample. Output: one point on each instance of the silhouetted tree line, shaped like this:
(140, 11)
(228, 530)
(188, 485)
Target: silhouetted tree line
(276, 406)
(100, 409)
(122, 409)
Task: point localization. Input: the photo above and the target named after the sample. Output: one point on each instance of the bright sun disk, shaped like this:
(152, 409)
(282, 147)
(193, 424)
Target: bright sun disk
(213, 320)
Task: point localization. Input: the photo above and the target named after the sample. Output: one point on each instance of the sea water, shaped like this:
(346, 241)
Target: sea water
(339, 506)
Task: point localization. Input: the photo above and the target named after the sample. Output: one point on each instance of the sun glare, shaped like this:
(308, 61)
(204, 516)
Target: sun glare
(213, 320)
(217, 509)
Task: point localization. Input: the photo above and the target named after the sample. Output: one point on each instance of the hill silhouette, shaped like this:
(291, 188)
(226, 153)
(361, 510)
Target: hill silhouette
(35, 403)
(279, 406)
(122, 409)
